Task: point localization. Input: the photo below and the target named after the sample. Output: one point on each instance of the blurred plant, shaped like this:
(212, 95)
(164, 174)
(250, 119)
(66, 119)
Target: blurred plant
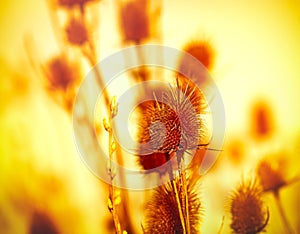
(114, 194)
(262, 119)
(247, 209)
(63, 76)
(41, 223)
(69, 4)
(139, 22)
(76, 32)
(202, 50)
(236, 151)
(272, 175)
(134, 20)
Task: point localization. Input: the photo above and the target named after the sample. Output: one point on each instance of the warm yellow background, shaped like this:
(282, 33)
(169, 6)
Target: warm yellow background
(257, 56)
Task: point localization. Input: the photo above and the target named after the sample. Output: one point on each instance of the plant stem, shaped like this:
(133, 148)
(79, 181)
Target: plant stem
(112, 195)
(174, 185)
(184, 193)
(286, 224)
(90, 55)
(222, 225)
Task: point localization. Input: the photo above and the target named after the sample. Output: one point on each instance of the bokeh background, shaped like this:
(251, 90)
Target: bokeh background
(45, 184)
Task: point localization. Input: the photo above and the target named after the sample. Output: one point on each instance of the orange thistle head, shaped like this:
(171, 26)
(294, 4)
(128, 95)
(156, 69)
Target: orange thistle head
(202, 51)
(162, 214)
(271, 174)
(134, 19)
(42, 223)
(170, 125)
(247, 211)
(262, 120)
(73, 3)
(76, 32)
(61, 73)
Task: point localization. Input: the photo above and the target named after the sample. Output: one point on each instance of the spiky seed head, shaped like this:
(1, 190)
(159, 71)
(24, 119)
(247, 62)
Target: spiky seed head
(202, 50)
(134, 20)
(262, 120)
(61, 73)
(162, 214)
(248, 213)
(76, 32)
(73, 3)
(169, 126)
(271, 174)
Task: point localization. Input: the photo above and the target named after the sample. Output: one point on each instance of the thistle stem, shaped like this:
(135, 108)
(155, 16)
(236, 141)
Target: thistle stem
(174, 185)
(185, 198)
(222, 225)
(288, 229)
(90, 55)
(112, 196)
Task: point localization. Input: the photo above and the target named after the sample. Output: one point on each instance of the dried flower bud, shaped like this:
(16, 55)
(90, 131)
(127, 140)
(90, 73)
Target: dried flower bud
(73, 3)
(271, 175)
(202, 51)
(61, 73)
(169, 126)
(247, 211)
(106, 125)
(42, 223)
(162, 214)
(113, 107)
(262, 120)
(76, 32)
(134, 20)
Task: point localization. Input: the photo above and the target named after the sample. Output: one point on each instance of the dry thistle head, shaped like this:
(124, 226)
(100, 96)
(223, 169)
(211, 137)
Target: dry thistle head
(247, 211)
(134, 20)
(159, 134)
(262, 120)
(76, 32)
(162, 214)
(42, 223)
(168, 126)
(61, 73)
(271, 174)
(201, 50)
(73, 3)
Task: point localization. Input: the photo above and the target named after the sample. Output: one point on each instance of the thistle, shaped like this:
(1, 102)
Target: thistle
(162, 214)
(62, 76)
(262, 120)
(271, 175)
(76, 32)
(272, 178)
(170, 125)
(202, 50)
(42, 223)
(134, 20)
(69, 4)
(247, 209)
